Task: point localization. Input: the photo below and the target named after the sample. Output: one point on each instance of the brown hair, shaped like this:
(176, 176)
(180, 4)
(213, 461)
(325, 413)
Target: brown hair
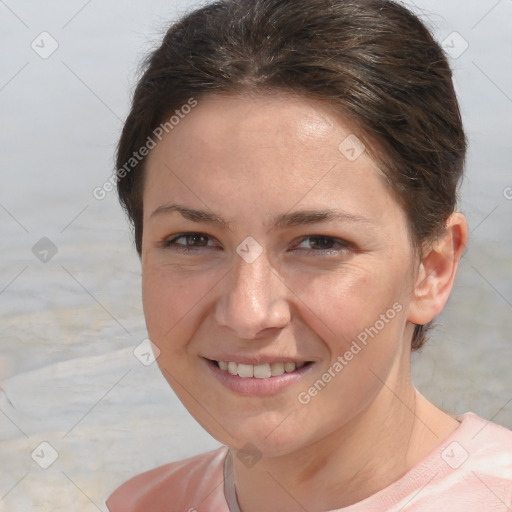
(372, 60)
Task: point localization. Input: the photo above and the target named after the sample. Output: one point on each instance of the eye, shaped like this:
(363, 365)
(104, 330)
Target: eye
(315, 244)
(324, 244)
(193, 242)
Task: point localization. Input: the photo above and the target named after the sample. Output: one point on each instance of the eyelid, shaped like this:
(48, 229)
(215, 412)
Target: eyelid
(340, 242)
(168, 243)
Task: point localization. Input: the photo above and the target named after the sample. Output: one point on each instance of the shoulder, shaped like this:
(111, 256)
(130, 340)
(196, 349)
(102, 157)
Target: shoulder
(486, 446)
(179, 486)
(472, 468)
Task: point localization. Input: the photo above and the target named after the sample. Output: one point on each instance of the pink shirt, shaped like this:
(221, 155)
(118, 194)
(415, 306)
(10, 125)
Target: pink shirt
(471, 471)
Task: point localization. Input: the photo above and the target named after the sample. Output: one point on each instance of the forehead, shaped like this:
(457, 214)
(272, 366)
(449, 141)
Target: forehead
(264, 151)
(257, 121)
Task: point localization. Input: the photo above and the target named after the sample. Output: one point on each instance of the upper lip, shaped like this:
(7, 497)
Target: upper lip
(256, 359)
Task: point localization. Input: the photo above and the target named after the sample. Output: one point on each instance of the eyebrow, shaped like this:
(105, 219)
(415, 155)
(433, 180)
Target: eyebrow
(192, 214)
(282, 221)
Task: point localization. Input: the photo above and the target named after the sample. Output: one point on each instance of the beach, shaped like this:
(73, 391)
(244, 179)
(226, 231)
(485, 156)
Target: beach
(83, 405)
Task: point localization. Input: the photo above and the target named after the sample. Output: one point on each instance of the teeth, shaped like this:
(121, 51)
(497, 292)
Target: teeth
(289, 367)
(262, 371)
(259, 371)
(245, 370)
(277, 369)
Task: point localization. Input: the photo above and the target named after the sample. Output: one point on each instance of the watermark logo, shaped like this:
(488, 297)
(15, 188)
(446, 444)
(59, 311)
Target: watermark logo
(44, 455)
(351, 147)
(44, 250)
(249, 250)
(454, 455)
(146, 352)
(45, 45)
(454, 45)
(249, 455)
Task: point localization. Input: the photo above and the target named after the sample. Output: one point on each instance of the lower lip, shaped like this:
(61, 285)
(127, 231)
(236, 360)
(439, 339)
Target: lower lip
(253, 386)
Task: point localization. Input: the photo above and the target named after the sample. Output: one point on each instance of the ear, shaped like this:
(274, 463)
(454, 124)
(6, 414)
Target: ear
(437, 270)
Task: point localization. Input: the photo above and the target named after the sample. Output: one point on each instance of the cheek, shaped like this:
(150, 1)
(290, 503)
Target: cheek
(172, 303)
(361, 320)
(341, 305)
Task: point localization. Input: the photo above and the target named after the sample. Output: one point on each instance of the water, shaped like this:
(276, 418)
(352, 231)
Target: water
(69, 326)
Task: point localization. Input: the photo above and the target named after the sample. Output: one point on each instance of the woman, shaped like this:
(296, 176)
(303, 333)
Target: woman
(291, 171)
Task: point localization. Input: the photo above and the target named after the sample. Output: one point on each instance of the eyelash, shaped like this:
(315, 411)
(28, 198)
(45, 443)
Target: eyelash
(171, 243)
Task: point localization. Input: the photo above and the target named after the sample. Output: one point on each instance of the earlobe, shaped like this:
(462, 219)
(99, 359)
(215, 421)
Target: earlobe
(437, 271)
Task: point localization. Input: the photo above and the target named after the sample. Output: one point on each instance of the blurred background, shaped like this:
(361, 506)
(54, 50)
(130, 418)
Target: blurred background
(81, 406)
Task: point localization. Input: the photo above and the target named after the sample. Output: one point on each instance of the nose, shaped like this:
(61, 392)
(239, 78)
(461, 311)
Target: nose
(253, 300)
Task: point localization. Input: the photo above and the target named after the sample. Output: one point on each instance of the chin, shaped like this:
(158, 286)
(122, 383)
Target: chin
(269, 435)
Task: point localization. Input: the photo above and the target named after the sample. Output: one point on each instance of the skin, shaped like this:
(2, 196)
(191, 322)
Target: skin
(249, 159)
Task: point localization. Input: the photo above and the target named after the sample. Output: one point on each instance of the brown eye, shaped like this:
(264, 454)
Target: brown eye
(322, 243)
(187, 242)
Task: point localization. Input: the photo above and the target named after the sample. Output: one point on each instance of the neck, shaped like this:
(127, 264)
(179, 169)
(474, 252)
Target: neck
(359, 459)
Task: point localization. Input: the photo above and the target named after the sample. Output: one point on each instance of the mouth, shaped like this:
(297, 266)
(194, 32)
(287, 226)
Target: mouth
(262, 379)
(260, 371)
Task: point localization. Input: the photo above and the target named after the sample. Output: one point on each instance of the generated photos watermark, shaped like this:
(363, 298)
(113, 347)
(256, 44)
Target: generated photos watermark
(139, 155)
(304, 397)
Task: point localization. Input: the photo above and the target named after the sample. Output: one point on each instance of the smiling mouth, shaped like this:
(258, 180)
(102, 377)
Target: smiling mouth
(260, 371)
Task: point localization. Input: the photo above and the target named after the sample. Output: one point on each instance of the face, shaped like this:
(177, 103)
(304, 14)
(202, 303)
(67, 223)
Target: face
(267, 249)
